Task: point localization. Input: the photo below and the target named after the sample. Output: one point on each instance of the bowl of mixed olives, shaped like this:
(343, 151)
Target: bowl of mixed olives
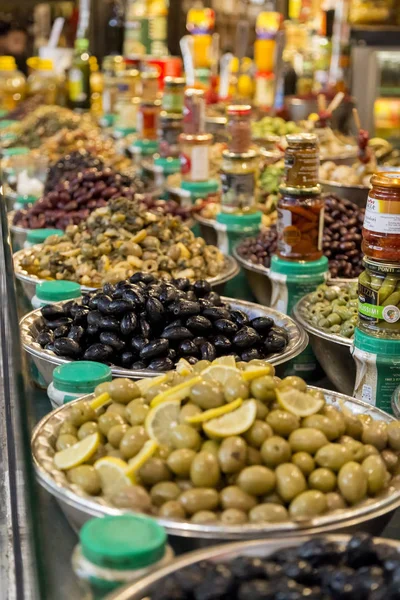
(222, 451)
(329, 315)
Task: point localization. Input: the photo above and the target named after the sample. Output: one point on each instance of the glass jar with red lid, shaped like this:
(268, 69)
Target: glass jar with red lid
(381, 231)
(239, 128)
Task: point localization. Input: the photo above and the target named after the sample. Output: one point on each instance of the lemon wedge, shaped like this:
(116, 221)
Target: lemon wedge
(113, 473)
(254, 372)
(220, 373)
(299, 403)
(183, 367)
(226, 361)
(141, 457)
(161, 419)
(233, 423)
(78, 453)
(100, 401)
(178, 392)
(213, 413)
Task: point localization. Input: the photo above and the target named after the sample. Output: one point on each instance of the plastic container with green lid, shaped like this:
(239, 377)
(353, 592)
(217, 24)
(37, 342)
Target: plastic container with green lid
(75, 379)
(378, 369)
(114, 551)
(22, 202)
(141, 148)
(291, 280)
(48, 292)
(38, 236)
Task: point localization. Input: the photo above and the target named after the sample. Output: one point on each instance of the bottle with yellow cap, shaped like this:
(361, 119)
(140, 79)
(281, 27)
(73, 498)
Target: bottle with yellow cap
(12, 84)
(43, 80)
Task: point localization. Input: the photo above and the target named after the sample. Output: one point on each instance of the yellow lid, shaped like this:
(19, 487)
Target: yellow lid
(7, 63)
(45, 64)
(33, 62)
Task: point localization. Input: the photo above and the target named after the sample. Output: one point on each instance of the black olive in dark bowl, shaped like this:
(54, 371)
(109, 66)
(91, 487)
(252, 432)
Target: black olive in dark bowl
(154, 349)
(226, 327)
(246, 337)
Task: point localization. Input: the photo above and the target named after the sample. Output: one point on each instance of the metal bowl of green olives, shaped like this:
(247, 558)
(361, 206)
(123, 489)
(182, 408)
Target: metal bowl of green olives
(371, 514)
(330, 329)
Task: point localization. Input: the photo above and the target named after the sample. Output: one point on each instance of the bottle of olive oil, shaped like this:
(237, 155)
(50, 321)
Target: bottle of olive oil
(79, 91)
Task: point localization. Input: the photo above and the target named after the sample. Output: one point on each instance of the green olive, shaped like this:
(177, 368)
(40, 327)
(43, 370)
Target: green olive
(337, 416)
(124, 390)
(393, 431)
(232, 454)
(307, 439)
(365, 419)
(133, 497)
(304, 461)
(262, 410)
(108, 420)
(275, 451)
(356, 448)
(116, 433)
(87, 429)
(137, 411)
(352, 482)
(210, 446)
(292, 381)
(111, 451)
(233, 516)
(290, 481)
(68, 427)
(172, 510)
(390, 459)
(86, 477)
(256, 480)
(102, 388)
(268, 513)
(100, 452)
(323, 480)
(253, 457)
(376, 473)
(204, 470)
(80, 413)
(190, 410)
(324, 424)
(65, 441)
(133, 441)
(184, 436)
(180, 461)
(119, 409)
(310, 503)
(235, 388)
(164, 492)
(370, 450)
(354, 427)
(154, 390)
(333, 456)
(258, 433)
(335, 501)
(376, 434)
(154, 471)
(199, 499)
(263, 388)
(233, 497)
(282, 422)
(206, 395)
(204, 517)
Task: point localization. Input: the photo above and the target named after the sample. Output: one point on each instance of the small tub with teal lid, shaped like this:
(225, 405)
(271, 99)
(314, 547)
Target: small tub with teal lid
(378, 370)
(76, 379)
(38, 236)
(114, 551)
(23, 202)
(49, 292)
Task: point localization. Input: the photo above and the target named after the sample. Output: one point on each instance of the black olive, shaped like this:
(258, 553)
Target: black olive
(44, 338)
(144, 326)
(86, 299)
(192, 360)
(161, 364)
(222, 344)
(207, 351)
(185, 308)
(92, 330)
(239, 317)
(146, 278)
(135, 296)
(226, 327)
(205, 303)
(67, 307)
(103, 304)
(80, 315)
(176, 334)
(246, 337)
(361, 551)
(137, 342)
(201, 288)
(94, 317)
(256, 589)
(155, 310)
(128, 323)
(168, 294)
(199, 340)
(187, 348)
(107, 323)
(52, 311)
(216, 312)
(182, 284)
(154, 349)
(176, 323)
(199, 324)
(109, 338)
(49, 346)
(66, 347)
(172, 354)
(214, 298)
(280, 331)
(127, 359)
(262, 324)
(120, 307)
(58, 322)
(138, 365)
(251, 354)
(99, 353)
(94, 300)
(190, 295)
(274, 343)
(76, 333)
(61, 331)
(109, 289)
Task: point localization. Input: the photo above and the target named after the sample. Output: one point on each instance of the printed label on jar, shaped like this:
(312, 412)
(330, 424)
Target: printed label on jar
(76, 86)
(288, 234)
(369, 309)
(199, 170)
(380, 216)
(377, 378)
(301, 169)
(238, 189)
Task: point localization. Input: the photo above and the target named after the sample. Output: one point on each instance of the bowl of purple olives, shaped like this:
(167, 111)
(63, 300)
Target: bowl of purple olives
(143, 326)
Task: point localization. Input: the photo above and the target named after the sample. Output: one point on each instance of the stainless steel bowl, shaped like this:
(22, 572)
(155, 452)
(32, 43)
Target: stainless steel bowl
(207, 229)
(370, 515)
(29, 282)
(46, 360)
(223, 553)
(18, 234)
(332, 351)
(355, 193)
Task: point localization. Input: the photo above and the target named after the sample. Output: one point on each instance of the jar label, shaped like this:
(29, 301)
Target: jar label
(301, 169)
(377, 378)
(76, 86)
(296, 236)
(382, 216)
(371, 311)
(199, 170)
(238, 190)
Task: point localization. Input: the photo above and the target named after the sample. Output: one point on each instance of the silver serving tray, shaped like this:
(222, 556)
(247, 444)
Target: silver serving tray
(46, 360)
(224, 553)
(29, 282)
(79, 506)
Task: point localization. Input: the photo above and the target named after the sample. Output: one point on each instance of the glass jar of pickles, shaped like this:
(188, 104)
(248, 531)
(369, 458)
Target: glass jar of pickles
(172, 100)
(379, 299)
(238, 179)
(381, 231)
(195, 156)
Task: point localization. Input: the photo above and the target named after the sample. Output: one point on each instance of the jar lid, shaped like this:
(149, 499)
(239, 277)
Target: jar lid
(238, 109)
(301, 191)
(238, 221)
(375, 345)
(190, 92)
(288, 267)
(123, 542)
(174, 81)
(56, 291)
(17, 151)
(387, 179)
(150, 103)
(81, 376)
(200, 188)
(26, 199)
(380, 267)
(168, 164)
(300, 140)
(166, 116)
(146, 146)
(250, 154)
(198, 138)
(38, 236)
(149, 74)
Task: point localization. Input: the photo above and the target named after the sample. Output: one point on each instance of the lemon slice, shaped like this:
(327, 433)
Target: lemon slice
(226, 361)
(113, 474)
(100, 401)
(233, 423)
(299, 403)
(213, 413)
(161, 419)
(251, 373)
(183, 367)
(141, 457)
(178, 392)
(78, 453)
(145, 384)
(220, 373)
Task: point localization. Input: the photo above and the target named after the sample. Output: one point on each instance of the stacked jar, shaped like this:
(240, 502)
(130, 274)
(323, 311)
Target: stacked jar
(377, 337)
(148, 113)
(299, 266)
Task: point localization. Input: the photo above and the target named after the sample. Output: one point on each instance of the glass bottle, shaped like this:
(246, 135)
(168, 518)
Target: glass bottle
(43, 81)
(12, 84)
(172, 100)
(79, 76)
(239, 128)
(238, 179)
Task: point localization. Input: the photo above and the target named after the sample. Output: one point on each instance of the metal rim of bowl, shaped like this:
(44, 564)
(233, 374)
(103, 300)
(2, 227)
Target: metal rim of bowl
(56, 483)
(224, 553)
(298, 339)
(15, 228)
(343, 185)
(230, 271)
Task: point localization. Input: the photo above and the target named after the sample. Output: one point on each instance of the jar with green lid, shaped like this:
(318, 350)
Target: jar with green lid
(379, 299)
(172, 100)
(38, 236)
(170, 128)
(114, 551)
(238, 179)
(195, 156)
(76, 379)
(22, 202)
(49, 292)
